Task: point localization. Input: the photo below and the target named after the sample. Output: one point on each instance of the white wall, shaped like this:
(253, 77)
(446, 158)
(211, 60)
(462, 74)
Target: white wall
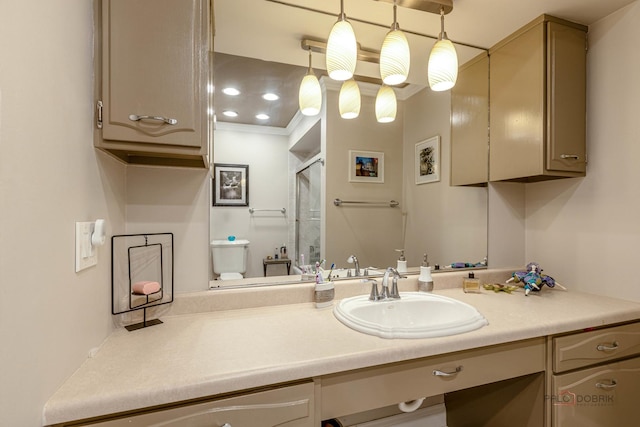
(586, 232)
(267, 156)
(50, 177)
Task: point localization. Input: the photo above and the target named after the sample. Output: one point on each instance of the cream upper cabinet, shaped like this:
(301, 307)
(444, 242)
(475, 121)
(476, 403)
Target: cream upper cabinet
(469, 123)
(538, 102)
(155, 70)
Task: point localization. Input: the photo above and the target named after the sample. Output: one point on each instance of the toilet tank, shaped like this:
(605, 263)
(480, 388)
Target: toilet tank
(229, 256)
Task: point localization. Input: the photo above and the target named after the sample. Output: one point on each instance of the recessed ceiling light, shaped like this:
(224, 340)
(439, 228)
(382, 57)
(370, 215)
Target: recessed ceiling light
(270, 97)
(230, 113)
(262, 116)
(231, 91)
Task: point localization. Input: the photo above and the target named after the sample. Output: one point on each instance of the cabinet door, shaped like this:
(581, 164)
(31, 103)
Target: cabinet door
(154, 60)
(284, 407)
(604, 396)
(517, 97)
(567, 101)
(469, 123)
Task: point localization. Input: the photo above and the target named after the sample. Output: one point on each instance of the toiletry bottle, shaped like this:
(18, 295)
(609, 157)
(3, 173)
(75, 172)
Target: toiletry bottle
(283, 251)
(425, 281)
(402, 262)
(471, 284)
(275, 256)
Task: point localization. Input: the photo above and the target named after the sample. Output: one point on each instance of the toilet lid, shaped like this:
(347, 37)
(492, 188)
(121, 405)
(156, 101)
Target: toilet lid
(230, 276)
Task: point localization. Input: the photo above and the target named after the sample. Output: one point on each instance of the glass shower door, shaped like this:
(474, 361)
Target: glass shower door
(308, 214)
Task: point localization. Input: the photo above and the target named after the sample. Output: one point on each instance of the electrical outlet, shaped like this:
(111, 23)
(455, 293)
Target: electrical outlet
(86, 255)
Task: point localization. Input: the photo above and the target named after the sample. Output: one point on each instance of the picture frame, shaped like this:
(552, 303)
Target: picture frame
(366, 166)
(230, 186)
(427, 160)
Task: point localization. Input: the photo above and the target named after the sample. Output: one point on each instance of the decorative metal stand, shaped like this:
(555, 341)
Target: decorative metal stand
(149, 257)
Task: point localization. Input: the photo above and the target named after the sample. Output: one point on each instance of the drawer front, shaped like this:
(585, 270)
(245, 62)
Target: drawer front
(366, 389)
(285, 407)
(598, 397)
(588, 348)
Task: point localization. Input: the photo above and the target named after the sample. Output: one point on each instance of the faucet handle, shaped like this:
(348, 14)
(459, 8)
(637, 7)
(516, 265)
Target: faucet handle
(374, 295)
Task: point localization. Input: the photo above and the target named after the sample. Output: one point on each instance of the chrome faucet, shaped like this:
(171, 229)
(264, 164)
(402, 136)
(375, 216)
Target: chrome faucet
(373, 296)
(385, 293)
(353, 260)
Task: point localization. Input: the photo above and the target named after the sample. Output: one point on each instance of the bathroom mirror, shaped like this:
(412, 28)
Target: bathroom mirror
(449, 223)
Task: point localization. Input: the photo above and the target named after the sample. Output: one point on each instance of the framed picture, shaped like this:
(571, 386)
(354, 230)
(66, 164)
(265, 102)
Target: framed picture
(230, 185)
(366, 166)
(428, 160)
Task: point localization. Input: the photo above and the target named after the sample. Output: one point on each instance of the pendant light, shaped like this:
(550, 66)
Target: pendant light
(342, 49)
(349, 100)
(395, 57)
(443, 61)
(310, 93)
(386, 104)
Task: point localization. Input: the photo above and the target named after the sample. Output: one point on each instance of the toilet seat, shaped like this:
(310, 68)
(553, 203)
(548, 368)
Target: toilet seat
(230, 276)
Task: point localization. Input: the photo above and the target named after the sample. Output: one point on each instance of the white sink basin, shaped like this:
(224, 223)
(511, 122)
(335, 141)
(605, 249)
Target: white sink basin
(415, 315)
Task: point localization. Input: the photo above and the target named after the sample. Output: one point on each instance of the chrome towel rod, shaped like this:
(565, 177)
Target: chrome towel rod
(339, 202)
(282, 211)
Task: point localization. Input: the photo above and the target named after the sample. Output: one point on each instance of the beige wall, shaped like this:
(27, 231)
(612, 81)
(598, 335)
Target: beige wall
(370, 233)
(586, 232)
(50, 177)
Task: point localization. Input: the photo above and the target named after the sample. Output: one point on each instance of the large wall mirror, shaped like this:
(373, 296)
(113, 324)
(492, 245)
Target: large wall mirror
(299, 165)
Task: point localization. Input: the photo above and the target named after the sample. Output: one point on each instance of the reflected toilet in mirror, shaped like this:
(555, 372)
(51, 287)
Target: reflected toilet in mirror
(229, 258)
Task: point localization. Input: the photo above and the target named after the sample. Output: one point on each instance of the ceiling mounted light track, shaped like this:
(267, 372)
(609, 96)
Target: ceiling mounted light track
(431, 6)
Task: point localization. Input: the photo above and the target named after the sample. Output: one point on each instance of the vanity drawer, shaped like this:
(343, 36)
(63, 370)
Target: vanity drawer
(370, 388)
(602, 345)
(603, 396)
(291, 406)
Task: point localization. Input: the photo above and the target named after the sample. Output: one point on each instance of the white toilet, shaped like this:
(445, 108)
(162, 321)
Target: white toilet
(229, 258)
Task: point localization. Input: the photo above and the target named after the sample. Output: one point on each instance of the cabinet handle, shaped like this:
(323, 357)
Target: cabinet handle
(226, 425)
(604, 347)
(439, 373)
(612, 384)
(136, 118)
(570, 156)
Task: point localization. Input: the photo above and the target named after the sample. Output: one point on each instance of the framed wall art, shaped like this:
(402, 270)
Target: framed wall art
(366, 166)
(230, 185)
(427, 160)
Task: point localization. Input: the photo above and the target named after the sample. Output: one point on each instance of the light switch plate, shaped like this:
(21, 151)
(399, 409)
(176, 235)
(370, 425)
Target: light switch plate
(85, 256)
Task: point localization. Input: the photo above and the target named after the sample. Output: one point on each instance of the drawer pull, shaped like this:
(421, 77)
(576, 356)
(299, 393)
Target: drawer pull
(439, 373)
(612, 384)
(604, 347)
(570, 156)
(136, 118)
(226, 425)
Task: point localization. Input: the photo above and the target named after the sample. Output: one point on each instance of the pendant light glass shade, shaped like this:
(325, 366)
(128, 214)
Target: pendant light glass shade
(342, 49)
(395, 57)
(443, 66)
(310, 93)
(386, 105)
(349, 100)
(443, 62)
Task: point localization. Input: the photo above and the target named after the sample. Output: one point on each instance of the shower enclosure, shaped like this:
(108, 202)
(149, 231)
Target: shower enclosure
(308, 213)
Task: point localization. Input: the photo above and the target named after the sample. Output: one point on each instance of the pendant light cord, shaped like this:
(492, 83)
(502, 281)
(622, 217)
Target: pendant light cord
(443, 34)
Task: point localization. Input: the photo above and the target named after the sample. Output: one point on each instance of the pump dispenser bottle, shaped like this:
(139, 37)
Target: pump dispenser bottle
(425, 281)
(402, 262)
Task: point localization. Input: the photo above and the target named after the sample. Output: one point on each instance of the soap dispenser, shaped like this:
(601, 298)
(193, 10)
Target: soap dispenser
(425, 281)
(402, 262)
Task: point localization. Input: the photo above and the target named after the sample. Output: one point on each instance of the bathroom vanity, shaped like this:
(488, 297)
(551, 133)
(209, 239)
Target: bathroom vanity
(295, 365)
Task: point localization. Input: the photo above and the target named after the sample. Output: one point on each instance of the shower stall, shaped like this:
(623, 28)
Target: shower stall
(309, 212)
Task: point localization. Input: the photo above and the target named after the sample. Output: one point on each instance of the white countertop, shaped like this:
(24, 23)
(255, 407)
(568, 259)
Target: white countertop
(197, 355)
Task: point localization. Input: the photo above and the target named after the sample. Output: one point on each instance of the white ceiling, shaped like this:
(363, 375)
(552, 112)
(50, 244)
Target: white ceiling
(271, 30)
